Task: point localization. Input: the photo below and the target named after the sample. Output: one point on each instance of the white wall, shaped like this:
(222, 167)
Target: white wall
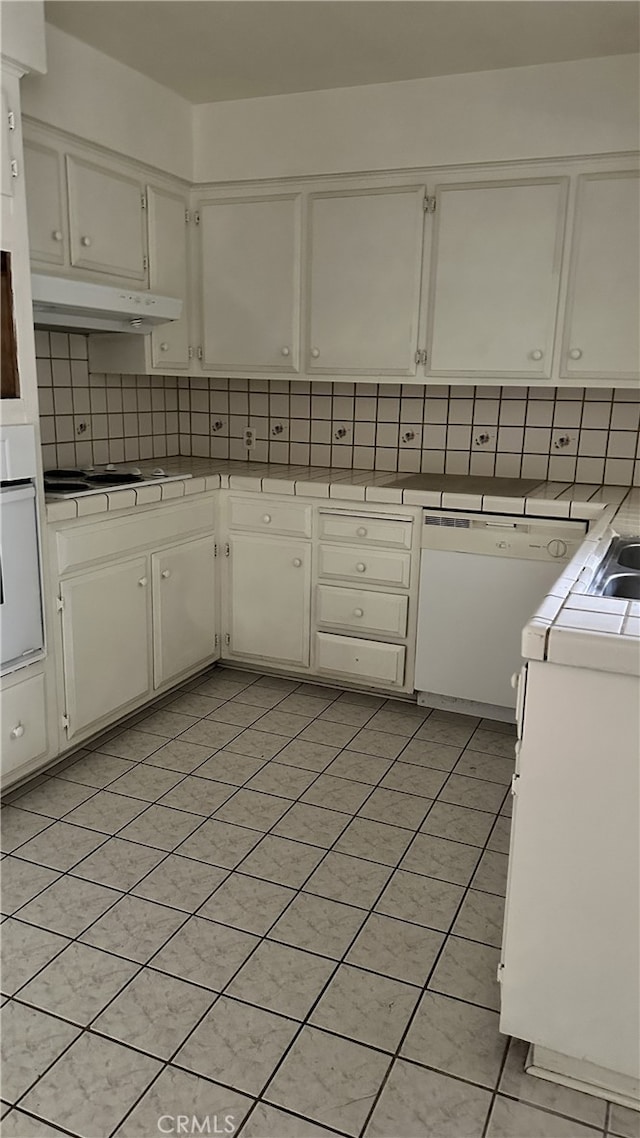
(583, 107)
(89, 94)
(22, 34)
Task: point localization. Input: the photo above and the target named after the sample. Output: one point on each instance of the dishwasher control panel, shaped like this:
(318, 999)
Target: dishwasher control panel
(497, 535)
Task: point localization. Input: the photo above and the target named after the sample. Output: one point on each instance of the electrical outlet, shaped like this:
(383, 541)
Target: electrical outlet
(249, 437)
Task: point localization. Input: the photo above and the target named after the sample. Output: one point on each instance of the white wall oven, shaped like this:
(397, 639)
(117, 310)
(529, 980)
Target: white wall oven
(21, 622)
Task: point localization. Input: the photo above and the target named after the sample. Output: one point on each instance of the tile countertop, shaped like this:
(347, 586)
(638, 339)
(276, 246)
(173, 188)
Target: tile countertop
(570, 626)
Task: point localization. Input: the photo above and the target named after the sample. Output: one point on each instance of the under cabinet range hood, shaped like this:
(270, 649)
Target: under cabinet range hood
(62, 303)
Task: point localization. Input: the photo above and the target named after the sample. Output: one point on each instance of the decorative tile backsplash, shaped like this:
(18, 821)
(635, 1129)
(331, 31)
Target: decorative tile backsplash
(563, 434)
(102, 418)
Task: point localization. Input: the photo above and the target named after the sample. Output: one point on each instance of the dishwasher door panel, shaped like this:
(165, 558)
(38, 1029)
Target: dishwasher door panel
(472, 610)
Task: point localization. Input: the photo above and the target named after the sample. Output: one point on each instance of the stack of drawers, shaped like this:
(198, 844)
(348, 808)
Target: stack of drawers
(361, 610)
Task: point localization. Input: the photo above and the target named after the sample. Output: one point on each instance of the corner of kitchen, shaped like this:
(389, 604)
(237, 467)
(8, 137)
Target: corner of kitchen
(320, 570)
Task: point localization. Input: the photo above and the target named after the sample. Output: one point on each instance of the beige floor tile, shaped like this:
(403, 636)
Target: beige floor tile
(31, 1041)
(154, 1013)
(396, 948)
(25, 950)
(420, 1102)
(318, 925)
(202, 1099)
(78, 983)
(456, 1038)
(246, 903)
(281, 979)
(134, 928)
(180, 882)
(366, 1007)
(206, 953)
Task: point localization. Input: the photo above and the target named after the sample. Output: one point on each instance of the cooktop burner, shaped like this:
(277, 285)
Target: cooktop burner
(95, 480)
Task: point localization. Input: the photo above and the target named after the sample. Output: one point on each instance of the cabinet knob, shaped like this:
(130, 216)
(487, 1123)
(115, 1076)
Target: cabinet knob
(575, 354)
(57, 235)
(297, 562)
(286, 351)
(536, 354)
(86, 241)
(266, 519)
(514, 680)
(17, 732)
(361, 531)
(142, 582)
(315, 352)
(358, 612)
(361, 567)
(165, 573)
(164, 347)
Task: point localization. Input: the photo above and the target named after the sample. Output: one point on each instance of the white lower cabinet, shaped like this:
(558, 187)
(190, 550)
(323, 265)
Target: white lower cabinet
(184, 608)
(23, 732)
(268, 599)
(365, 661)
(377, 613)
(106, 624)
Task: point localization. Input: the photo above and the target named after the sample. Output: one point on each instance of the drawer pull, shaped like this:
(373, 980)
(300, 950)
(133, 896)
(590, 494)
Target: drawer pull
(361, 567)
(166, 573)
(142, 582)
(361, 531)
(17, 732)
(86, 241)
(297, 562)
(358, 612)
(266, 519)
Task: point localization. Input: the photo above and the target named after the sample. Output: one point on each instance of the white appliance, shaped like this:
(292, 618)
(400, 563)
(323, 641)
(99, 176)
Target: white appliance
(60, 302)
(481, 579)
(21, 624)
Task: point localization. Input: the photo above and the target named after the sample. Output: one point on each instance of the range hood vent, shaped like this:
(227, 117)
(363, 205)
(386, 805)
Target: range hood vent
(83, 306)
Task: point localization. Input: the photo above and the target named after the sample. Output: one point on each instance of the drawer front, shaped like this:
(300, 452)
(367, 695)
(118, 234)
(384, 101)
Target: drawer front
(363, 660)
(365, 565)
(293, 519)
(79, 545)
(366, 530)
(24, 731)
(384, 613)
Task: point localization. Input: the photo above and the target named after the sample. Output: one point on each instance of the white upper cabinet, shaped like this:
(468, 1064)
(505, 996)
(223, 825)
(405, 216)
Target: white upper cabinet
(48, 239)
(169, 273)
(602, 326)
(106, 221)
(250, 272)
(495, 270)
(364, 268)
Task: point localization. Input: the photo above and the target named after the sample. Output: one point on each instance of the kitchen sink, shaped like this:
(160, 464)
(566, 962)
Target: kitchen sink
(619, 575)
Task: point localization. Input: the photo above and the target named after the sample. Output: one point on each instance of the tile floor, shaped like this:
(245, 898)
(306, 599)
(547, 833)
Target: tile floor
(275, 906)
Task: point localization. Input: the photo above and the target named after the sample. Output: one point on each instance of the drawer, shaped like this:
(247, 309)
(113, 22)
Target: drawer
(364, 660)
(384, 613)
(82, 544)
(365, 565)
(292, 519)
(366, 530)
(24, 730)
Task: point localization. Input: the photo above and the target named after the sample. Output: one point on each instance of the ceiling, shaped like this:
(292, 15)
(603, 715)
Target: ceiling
(212, 50)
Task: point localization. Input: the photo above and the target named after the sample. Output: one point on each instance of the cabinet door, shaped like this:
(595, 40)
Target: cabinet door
(184, 608)
(250, 258)
(105, 636)
(106, 221)
(169, 274)
(45, 204)
(270, 599)
(602, 327)
(494, 278)
(365, 251)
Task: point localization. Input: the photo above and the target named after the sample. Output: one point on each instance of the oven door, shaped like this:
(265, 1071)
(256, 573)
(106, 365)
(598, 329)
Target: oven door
(21, 632)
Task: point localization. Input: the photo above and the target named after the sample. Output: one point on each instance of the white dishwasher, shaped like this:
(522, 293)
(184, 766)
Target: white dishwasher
(481, 579)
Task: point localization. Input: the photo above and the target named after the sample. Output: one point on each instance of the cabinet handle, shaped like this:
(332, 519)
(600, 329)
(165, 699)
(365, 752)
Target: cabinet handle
(575, 354)
(361, 567)
(315, 352)
(86, 241)
(165, 573)
(266, 519)
(17, 732)
(361, 531)
(142, 581)
(536, 354)
(57, 235)
(286, 351)
(164, 347)
(297, 562)
(358, 612)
